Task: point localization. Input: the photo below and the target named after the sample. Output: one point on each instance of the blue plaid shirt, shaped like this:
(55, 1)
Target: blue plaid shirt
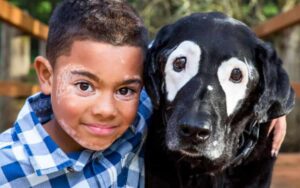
(30, 158)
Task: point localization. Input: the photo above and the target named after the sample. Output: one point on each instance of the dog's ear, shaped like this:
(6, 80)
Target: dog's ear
(277, 97)
(153, 77)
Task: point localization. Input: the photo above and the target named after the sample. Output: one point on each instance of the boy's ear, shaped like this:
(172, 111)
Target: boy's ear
(44, 72)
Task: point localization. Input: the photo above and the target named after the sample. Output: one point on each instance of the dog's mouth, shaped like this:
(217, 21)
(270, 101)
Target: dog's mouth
(191, 153)
(202, 163)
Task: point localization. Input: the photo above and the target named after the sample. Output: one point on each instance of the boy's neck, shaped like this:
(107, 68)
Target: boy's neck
(61, 138)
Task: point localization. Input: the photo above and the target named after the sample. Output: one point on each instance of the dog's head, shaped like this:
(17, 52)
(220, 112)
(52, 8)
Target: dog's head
(211, 76)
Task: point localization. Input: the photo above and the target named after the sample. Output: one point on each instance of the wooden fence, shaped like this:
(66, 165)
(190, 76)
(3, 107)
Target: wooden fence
(24, 22)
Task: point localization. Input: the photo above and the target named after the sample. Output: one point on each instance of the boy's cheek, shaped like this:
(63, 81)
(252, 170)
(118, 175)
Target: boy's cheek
(65, 111)
(64, 93)
(130, 111)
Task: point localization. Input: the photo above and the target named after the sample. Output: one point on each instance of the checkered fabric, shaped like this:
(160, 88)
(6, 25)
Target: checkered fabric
(30, 158)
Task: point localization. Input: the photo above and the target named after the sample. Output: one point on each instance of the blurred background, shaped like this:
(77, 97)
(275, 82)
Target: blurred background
(23, 29)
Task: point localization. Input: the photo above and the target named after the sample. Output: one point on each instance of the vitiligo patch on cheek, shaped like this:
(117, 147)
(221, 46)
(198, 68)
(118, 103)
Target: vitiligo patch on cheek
(176, 80)
(62, 84)
(64, 78)
(67, 128)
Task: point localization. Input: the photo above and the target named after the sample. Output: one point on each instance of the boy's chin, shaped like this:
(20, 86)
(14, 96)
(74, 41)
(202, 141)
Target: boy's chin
(95, 146)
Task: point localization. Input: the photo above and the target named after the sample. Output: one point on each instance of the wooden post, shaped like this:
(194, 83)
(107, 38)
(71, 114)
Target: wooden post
(5, 102)
(15, 63)
(20, 19)
(4, 52)
(19, 61)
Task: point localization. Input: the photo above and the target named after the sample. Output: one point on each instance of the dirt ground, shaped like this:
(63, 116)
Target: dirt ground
(287, 171)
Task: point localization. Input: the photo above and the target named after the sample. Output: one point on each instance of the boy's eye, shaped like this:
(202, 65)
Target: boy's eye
(125, 91)
(84, 86)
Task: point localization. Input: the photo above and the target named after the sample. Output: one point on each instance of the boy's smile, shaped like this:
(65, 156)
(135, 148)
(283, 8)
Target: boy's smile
(94, 94)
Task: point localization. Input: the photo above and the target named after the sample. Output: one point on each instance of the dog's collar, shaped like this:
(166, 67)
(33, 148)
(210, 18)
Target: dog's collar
(247, 141)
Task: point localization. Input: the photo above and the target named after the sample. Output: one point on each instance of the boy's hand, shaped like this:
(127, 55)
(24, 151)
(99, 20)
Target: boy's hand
(279, 126)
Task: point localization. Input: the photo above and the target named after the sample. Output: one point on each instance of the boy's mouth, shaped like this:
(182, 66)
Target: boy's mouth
(101, 129)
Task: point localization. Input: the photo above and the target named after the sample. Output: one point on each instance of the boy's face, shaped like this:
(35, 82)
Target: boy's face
(95, 91)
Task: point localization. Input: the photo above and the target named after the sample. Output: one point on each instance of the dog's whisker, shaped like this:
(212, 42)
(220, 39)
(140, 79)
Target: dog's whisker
(180, 159)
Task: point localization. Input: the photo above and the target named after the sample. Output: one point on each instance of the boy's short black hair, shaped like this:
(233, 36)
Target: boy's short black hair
(111, 21)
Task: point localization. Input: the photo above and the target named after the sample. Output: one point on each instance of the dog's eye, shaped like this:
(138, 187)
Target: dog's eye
(179, 64)
(236, 75)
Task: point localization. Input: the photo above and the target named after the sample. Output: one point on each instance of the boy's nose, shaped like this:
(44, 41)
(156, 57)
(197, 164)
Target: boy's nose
(105, 106)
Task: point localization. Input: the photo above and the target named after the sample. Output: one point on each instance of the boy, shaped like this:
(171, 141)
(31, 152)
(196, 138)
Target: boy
(83, 130)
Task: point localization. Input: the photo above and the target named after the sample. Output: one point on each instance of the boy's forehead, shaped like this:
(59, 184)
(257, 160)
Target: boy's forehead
(79, 45)
(93, 56)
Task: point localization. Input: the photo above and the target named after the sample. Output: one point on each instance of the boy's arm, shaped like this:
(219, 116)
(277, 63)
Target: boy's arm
(279, 126)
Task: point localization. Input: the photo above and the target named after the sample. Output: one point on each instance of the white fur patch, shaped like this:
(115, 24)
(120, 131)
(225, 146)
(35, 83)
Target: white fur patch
(176, 80)
(234, 91)
(210, 88)
(215, 152)
(230, 21)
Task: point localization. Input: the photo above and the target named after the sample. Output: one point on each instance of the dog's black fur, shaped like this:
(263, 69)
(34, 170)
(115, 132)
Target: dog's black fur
(268, 96)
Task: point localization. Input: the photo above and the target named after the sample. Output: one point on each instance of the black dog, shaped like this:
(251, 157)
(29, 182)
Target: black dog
(216, 87)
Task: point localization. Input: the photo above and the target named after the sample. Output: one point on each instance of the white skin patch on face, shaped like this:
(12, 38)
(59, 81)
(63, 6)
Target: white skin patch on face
(176, 80)
(121, 60)
(234, 91)
(64, 78)
(128, 77)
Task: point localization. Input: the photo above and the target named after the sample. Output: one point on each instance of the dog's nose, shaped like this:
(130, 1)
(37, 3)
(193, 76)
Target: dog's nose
(199, 132)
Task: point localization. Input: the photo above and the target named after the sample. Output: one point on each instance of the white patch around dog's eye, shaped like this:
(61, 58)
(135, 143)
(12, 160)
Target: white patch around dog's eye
(233, 76)
(182, 64)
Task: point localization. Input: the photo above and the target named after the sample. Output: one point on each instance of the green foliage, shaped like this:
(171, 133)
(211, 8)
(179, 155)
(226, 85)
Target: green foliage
(270, 10)
(40, 9)
(160, 12)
